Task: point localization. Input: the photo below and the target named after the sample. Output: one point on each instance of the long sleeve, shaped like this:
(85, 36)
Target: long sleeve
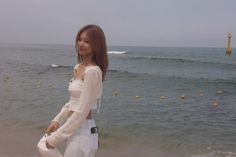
(62, 115)
(90, 93)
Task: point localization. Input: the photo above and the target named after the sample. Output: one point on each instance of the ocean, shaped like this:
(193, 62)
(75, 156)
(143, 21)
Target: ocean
(175, 100)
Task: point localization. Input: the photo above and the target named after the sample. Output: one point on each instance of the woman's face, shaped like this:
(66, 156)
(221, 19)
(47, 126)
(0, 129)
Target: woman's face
(84, 46)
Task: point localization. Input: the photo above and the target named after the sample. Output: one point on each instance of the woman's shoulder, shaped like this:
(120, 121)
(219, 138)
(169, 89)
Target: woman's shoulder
(93, 69)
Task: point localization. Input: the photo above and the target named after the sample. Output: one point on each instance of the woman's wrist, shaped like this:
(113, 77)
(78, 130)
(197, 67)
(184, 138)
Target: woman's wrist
(56, 122)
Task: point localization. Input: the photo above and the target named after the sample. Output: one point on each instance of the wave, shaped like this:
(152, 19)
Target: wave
(216, 154)
(117, 52)
(125, 73)
(54, 65)
(46, 68)
(180, 60)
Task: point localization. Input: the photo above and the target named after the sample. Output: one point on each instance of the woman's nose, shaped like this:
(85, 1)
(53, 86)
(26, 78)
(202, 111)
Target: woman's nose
(80, 43)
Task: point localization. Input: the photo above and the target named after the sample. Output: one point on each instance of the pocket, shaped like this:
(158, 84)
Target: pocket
(94, 141)
(90, 140)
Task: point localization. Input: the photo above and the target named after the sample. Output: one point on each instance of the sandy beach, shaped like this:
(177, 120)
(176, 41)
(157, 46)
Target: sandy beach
(22, 143)
(18, 143)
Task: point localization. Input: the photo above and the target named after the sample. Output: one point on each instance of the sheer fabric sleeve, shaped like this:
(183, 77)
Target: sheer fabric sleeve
(90, 93)
(62, 115)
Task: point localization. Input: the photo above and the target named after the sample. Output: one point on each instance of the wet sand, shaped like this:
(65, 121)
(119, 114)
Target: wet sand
(18, 143)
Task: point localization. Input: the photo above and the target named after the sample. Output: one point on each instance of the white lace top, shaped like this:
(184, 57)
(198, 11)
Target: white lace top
(76, 87)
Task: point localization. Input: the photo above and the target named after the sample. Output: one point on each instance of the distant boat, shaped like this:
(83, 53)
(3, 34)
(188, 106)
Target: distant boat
(117, 52)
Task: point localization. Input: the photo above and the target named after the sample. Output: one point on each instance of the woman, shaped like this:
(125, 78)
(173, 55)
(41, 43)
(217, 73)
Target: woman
(79, 129)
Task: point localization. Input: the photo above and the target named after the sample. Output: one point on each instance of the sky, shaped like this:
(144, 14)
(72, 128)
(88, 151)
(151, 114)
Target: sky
(191, 23)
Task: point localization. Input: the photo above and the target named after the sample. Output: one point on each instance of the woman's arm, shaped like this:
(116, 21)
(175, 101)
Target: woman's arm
(58, 120)
(62, 115)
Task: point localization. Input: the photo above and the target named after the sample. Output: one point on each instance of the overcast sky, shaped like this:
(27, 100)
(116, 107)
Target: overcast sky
(125, 22)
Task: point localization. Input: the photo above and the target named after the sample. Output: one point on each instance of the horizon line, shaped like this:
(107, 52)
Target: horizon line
(118, 45)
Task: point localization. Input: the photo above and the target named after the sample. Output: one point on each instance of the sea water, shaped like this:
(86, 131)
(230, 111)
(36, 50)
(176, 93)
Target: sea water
(173, 99)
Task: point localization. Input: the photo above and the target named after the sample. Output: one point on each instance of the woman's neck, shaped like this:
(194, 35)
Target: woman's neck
(87, 60)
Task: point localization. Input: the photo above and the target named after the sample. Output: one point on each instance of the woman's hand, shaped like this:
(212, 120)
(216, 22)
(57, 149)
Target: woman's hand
(49, 146)
(52, 127)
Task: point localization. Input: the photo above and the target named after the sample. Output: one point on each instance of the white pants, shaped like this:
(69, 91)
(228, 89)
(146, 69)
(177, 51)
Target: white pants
(81, 144)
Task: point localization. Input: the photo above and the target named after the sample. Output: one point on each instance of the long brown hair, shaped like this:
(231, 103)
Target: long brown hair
(98, 44)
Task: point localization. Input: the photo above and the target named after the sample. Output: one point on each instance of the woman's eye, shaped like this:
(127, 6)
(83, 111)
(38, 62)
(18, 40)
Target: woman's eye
(86, 41)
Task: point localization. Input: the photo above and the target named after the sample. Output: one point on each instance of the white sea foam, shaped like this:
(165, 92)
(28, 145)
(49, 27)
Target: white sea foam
(117, 52)
(54, 65)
